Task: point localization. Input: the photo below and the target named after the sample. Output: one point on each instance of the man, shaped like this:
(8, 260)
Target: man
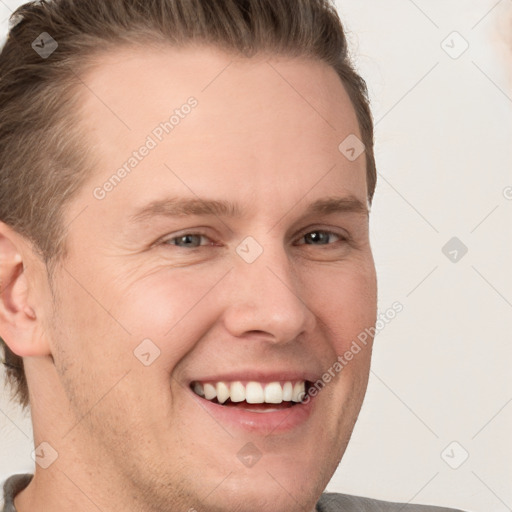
(185, 253)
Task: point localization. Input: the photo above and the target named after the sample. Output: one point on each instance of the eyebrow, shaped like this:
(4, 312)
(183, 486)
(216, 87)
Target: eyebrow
(180, 207)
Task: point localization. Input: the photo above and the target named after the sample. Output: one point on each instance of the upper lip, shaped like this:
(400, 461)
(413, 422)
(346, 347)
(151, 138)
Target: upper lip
(259, 376)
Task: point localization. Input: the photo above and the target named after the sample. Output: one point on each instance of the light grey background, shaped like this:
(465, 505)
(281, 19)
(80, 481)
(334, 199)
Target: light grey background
(441, 388)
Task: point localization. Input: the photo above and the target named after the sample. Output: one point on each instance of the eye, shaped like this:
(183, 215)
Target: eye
(187, 241)
(321, 237)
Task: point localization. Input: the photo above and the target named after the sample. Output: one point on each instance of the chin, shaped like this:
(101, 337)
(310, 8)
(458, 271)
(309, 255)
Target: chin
(272, 493)
(273, 484)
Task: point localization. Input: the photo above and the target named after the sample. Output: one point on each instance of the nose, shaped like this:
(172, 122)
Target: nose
(266, 299)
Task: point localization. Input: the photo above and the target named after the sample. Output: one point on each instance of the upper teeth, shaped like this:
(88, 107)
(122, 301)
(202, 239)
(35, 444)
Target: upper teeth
(252, 392)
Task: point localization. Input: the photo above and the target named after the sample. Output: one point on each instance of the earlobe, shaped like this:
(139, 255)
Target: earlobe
(20, 326)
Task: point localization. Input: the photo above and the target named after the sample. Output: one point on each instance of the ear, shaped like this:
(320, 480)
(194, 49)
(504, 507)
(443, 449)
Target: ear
(20, 326)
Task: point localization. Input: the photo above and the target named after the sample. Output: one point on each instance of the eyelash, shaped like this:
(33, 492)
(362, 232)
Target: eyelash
(343, 238)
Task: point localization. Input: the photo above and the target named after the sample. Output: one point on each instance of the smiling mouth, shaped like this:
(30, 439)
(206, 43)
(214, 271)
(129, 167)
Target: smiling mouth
(252, 395)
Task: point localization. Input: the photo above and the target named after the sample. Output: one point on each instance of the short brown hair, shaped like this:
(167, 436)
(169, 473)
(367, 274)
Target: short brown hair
(42, 164)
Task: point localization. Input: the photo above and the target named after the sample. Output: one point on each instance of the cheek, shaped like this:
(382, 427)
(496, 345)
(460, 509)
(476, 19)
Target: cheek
(345, 300)
(172, 308)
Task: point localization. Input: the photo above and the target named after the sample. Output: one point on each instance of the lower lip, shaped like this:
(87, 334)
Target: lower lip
(275, 422)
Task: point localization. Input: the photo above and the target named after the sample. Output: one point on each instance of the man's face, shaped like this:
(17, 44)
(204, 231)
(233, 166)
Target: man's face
(271, 294)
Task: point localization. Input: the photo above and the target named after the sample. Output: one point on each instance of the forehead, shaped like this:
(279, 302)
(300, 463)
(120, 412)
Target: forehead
(261, 122)
(117, 76)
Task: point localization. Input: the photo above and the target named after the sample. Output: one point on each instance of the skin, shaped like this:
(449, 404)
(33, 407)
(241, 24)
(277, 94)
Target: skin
(265, 134)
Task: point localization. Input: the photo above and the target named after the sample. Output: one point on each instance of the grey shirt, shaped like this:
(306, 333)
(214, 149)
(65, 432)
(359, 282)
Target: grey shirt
(333, 502)
(329, 502)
